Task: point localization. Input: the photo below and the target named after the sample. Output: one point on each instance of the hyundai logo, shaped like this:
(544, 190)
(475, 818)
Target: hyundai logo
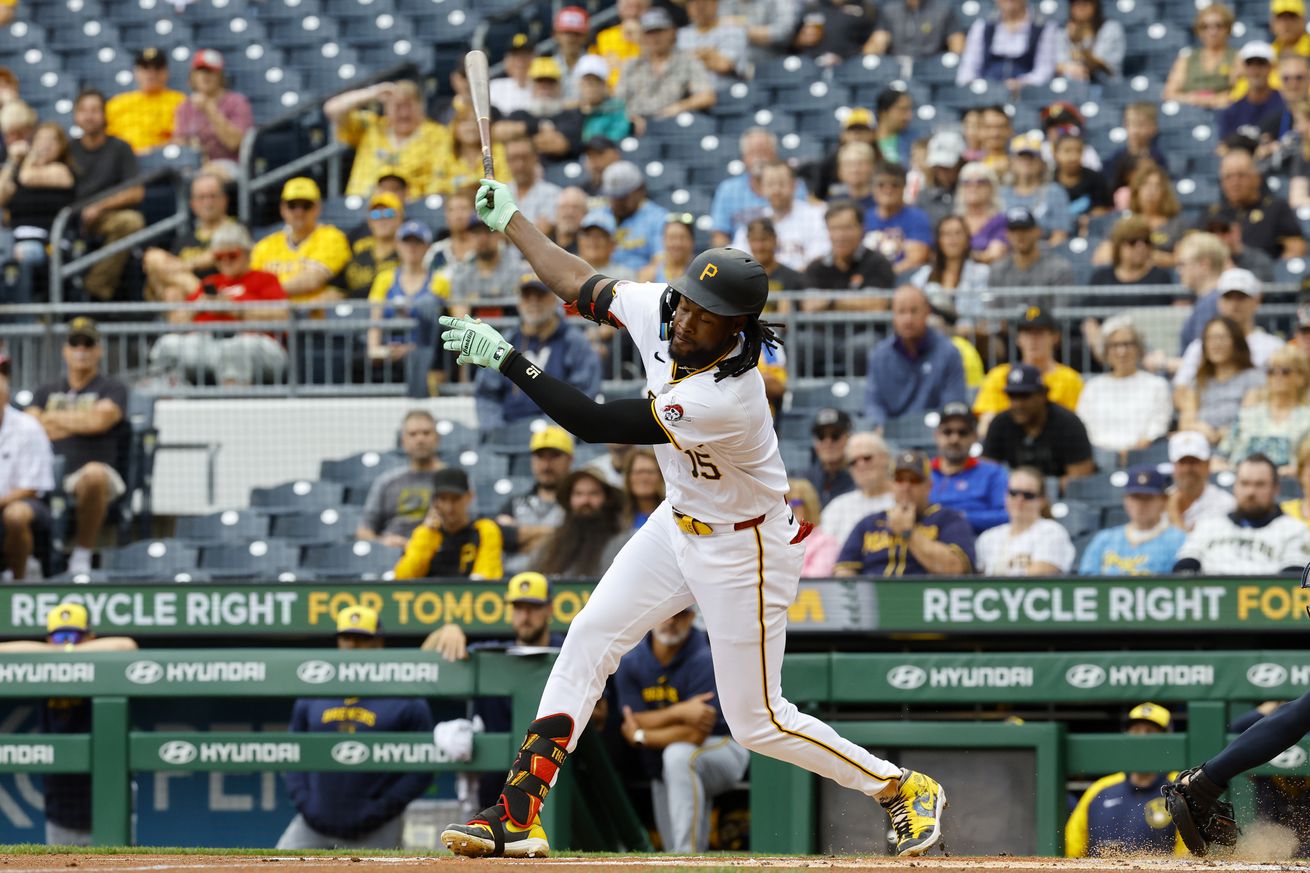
(1085, 675)
(177, 752)
(316, 672)
(906, 677)
(144, 672)
(1266, 675)
(350, 753)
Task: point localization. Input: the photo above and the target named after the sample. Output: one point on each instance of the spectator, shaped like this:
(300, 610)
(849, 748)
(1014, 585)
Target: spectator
(349, 809)
(1038, 337)
(822, 174)
(1287, 26)
(598, 115)
(212, 120)
(1193, 496)
(953, 280)
(596, 245)
(7, 10)
(68, 795)
(679, 247)
(1126, 408)
(144, 118)
(914, 370)
(512, 92)
(103, 162)
(973, 487)
(798, 223)
(527, 519)
(832, 31)
(1028, 265)
(1239, 299)
(666, 688)
(902, 234)
(173, 274)
(399, 499)
(1278, 142)
(894, 111)
(461, 219)
(246, 357)
(917, 29)
(1141, 122)
(26, 473)
(1035, 432)
(718, 44)
(821, 547)
(399, 139)
(377, 251)
(534, 195)
(1267, 222)
(913, 537)
(662, 82)
(738, 198)
(1242, 256)
(830, 474)
(1061, 119)
(769, 24)
(460, 165)
(639, 222)
(1089, 48)
(621, 42)
(868, 458)
(1201, 259)
(1030, 543)
(82, 415)
(763, 241)
(591, 532)
(1084, 187)
(1256, 539)
(1031, 189)
(856, 163)
(1151, 200)
(36, 183)
(1260, 100)
(304, 255)
(945, 159)
(556, 347)
(1204, 76)
(1147, 544)
(408, 288)
(1274, 422)
(572, 34)
(979, 204)
(643, 486)
(570, 209)
(491, 271)
(547, 96)
(1132, 264)
(995, 130)
(597, 155)
(1122, 813)
(449, 542)
(1014, 47)
(848, 266)
(1299, 507)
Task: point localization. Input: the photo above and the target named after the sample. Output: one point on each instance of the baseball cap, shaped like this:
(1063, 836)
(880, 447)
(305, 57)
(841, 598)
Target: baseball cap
(620, 179)
(1145, 479)
(572, 19)
(529, 281)
(552, 437)
(229, 236)
(656, 19)
(386, 200)
(520, 43)
(529, 587)
(1037, 318)
(207, 59)
(830, 417)
(599, 218)
(152, 58)
(358, 620)
(67, 616)
(1282, 7)
(301, 188)
(1241, 281)
(945, 149)
(1062, 113)
(591, 65)
(959, 410)
(858, 117)
(1024, 379)
(545, 68)
(1153, 713)
(84, 326)
(599, 144)
(1188, 444)
(415, 230)
(913, 461)
(450, 480)
(1019, 218)
(1026, 144)
(1256, 50)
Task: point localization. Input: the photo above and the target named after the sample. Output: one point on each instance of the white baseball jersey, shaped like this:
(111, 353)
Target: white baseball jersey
(1002, 553)
(1226, 549)
(722, 464)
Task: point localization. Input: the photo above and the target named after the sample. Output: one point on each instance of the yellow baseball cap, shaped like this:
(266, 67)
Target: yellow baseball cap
(384, 200)
(301, 188)
(1279, 7)
(858, 117)
(545, 68)
(552, 437)
(1026, 144)
(528, 587)
(67, 616)
(358, 620)
(1153, 713)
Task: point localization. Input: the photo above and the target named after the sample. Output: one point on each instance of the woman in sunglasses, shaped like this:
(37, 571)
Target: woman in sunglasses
(1029, 544)
(1275, 419)
(679, 239)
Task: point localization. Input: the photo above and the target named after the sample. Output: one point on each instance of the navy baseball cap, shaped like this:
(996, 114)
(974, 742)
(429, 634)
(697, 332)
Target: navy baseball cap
(1037, 318)
(959, 410)
(415, 230)
(831, 417)
(1146, 479)
(1020, 218)
(1024, 379)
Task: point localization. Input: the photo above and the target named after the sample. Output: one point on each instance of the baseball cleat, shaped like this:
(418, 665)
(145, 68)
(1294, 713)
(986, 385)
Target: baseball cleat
(477, 840)
(916, 813)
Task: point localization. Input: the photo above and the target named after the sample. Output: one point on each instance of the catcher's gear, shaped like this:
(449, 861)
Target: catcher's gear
(916, 813)
(1202, 819)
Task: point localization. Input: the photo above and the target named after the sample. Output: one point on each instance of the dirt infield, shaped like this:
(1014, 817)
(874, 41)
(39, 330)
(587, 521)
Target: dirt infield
(348, 863)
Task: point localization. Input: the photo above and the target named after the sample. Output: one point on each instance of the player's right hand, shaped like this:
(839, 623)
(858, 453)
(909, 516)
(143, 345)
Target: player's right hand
(497, 215)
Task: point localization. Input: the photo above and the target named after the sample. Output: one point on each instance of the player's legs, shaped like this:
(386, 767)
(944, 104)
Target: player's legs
(693, 776)
(1262, 741)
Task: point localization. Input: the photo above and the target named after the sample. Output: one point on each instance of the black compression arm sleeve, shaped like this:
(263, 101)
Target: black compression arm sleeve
(630, 422)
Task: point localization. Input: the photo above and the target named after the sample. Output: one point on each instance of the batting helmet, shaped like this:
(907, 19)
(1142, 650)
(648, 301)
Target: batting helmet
(725, 281)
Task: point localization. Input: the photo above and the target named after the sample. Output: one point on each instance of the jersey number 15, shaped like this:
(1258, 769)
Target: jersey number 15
(701, 465)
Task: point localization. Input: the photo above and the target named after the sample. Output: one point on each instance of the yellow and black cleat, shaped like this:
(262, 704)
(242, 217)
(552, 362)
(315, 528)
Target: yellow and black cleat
(916, 813)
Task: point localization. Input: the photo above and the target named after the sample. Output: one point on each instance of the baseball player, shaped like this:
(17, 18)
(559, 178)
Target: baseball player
(723, 538)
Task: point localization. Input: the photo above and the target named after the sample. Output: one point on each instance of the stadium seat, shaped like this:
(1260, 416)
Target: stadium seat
(331, 525)
(909, 432)
(1076, 517)
(259, 559)
(148, 559)
(228, 526)
(296, 496)
(359, 560)
(1097, 490)
(360, 469)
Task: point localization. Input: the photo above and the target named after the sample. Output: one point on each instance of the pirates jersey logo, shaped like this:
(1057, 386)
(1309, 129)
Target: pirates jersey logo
(672, 413)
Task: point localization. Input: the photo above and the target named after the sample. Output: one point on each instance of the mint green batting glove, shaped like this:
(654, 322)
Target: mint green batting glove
(477, 343)
(497, 215)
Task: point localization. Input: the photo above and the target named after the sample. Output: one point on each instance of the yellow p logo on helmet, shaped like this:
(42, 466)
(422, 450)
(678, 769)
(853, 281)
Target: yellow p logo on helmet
(710, 271)
(1032, 313)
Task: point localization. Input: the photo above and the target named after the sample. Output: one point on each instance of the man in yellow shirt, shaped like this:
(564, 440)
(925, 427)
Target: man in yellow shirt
(621, 42)
(305, 255)
(450, 542)
(1038, 337)
(144, 118)
(402, 140)
(1288, 37)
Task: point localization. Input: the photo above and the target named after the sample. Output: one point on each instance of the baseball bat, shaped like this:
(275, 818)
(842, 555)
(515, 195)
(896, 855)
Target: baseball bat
(475, 67)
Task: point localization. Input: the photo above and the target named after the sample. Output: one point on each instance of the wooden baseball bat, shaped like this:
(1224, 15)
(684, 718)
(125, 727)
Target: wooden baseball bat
(475, 67)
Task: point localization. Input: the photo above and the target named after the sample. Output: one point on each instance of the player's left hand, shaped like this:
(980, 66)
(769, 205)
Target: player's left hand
(477, 343)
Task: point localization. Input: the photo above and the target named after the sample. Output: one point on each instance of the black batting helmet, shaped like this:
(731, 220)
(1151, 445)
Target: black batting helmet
(725, 281)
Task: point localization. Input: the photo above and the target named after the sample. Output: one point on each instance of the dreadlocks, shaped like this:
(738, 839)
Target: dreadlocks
(756, 336)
